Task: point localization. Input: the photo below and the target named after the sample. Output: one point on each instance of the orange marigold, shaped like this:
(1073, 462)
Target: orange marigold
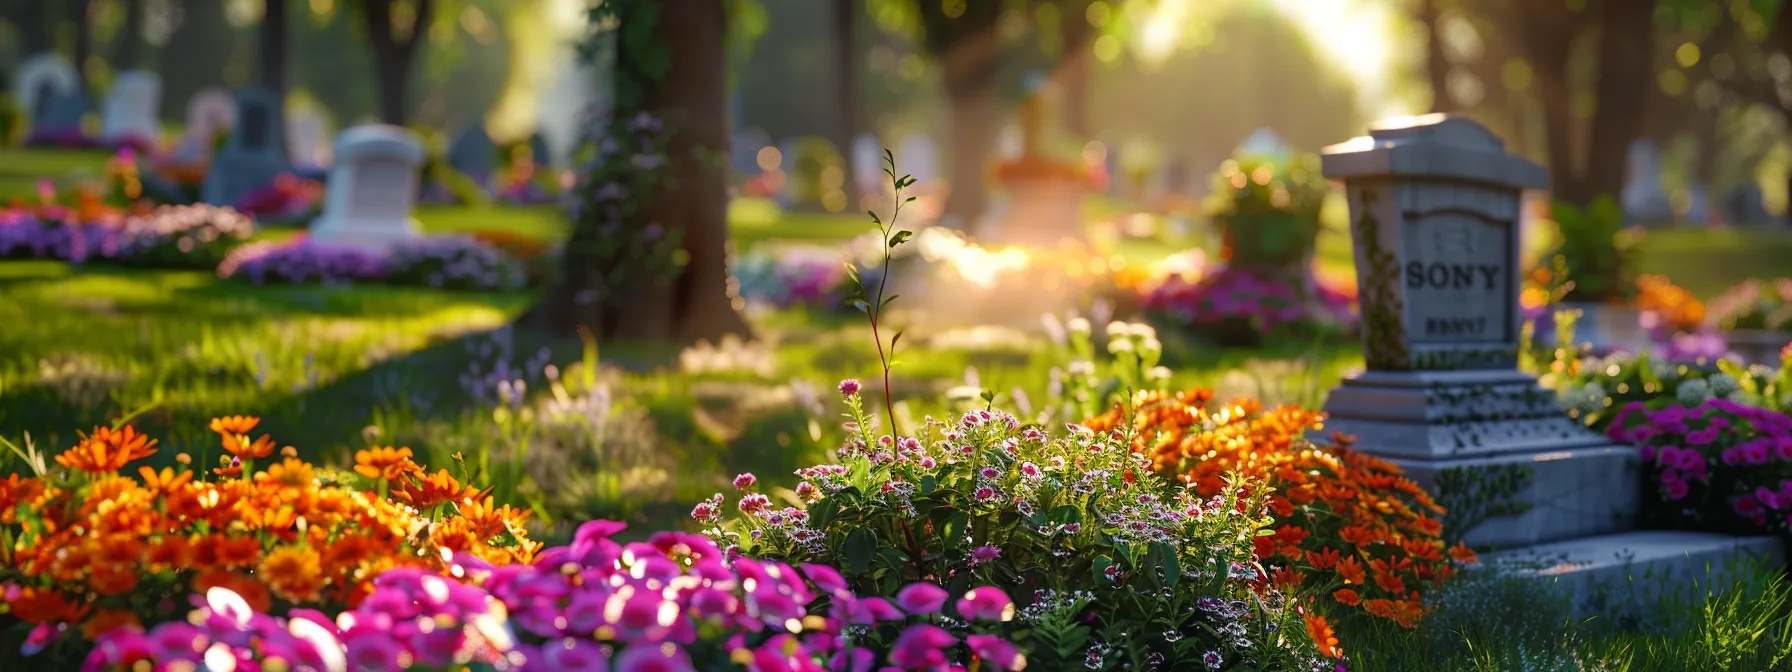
(1323, 636)
(234, 425)
(38, 606)
(1346, 597)
(295, 573)
(107, 451)
(384, 463)
(1336, 510)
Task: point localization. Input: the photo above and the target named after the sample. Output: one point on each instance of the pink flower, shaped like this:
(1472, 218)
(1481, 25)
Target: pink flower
(575, 655)
(1676, 489)
(666, 657)
(806, 491)
(745, 481)
(984, 493)
(849, 388)
(919, 647)
(987, 603)
(999, 653)
(1747, 506)
(702, 513)
(985, 553)
(825, 578)
(873, 609)
(1029, 470)
(921, 598)
(754, 503)
(989, 473)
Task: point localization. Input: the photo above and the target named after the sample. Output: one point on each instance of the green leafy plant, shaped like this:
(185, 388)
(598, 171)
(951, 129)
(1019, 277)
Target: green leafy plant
(872, 305)
(1598, 257)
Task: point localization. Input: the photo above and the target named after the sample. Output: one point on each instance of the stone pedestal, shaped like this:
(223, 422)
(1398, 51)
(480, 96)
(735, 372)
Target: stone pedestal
(372, 189)
(1435, 211)
(1038, 213)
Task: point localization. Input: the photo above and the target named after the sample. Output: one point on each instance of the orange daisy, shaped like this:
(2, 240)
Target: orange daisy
(107, 451)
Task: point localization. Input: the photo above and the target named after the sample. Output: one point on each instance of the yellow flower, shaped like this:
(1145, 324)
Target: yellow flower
(295, 573)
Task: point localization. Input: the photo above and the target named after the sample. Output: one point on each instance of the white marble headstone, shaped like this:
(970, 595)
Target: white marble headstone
(918, 157)
(307, 130)
(372, 188)
(129, 114)
(868, 164)
(40, 79)
(209, 112)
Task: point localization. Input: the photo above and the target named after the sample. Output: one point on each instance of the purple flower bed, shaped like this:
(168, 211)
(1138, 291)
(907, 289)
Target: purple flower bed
(1718, 465)
(195, 236)
(674, 602)
(61, 138)
(1235, 299)
(445, 262)
(806, 276)
(136, 143)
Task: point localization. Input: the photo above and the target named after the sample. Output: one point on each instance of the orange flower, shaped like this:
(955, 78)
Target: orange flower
(1351, 571)
(38, 606)
(243, 448)
(424, 493)
(164, 480)
(112, 580)
(1323, 559)
(107, 451)
(106, 620)
(1346, 597)
(1390, 583)
(172, 552)
(1462, 553)
(234, 425)
(295, 573)
(1280, 506)
(290, 473)
(236, 552)
(384, 463)
(1286, 579)
(1357, 535)
(1322, 635)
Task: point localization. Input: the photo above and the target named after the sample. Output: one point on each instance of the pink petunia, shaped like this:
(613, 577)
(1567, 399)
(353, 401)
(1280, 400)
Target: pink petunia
(919, 647)
(987, 603)
(1000, 654)
(921, 598)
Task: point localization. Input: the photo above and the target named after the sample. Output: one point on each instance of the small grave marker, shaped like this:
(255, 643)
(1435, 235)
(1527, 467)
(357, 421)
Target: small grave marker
(372, 188)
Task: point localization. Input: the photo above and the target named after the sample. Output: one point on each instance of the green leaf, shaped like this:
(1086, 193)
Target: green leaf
(1066, 514)
(929, 484)
(861, 545)
(901, 236)
(979, 531)
(887, 300)
(953, 527)
(1168, 563)
(1100, 567)
(861, 305)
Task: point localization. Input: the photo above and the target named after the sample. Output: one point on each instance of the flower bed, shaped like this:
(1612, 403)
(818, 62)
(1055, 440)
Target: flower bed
(1715, 465)
(61, 138)
(446, 262)
(187, 236)
(1115, 566)
(809, 275)
(89, 548)
(1344, 523)
(290, 200)
(1238, 306)
(675, 602)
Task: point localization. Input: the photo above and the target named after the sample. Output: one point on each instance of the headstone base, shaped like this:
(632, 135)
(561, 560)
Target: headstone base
(372, 236)
(1452, 414)
(1630, 571)
(1576, 492)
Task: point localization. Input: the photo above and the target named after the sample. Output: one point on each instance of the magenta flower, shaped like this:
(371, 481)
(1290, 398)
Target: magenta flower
(985, 553)
(745, 481)
(921, 598)
(919, 647)
(987, 603)
(664, 658)
(999, 653)
(825, 578)
(849, 388)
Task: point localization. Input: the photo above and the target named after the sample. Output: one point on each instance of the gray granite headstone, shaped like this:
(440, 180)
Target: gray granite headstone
(255, 153)
(62, 112)
(1435, 212)
(473, 154)
(40, 79)
(1644, 201)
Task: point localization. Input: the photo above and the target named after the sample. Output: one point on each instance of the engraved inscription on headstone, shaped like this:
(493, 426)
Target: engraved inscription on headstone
(1458, 285)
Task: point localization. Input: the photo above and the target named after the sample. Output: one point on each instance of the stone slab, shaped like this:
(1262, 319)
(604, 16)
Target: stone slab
(1607, 574)
(1452, 414)
(1573, 492)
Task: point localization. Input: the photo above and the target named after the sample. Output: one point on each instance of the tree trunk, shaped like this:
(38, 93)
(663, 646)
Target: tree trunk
(77, 14)
(1549, 44)
(129, 49)
(273, 47)
(846, 51)
(195, 54)
(1626, 78)
(37, 27)
(1437, 63)
(1073, 69)
(976, 121)
(692, 100)
(393, 54)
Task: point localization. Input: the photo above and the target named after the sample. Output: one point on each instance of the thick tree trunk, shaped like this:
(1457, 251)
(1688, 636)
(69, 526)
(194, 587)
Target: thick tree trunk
(1549, 45)
(195, 54)
(129, 50)
(692, 100)
(394, 54)
(273, 47)
(37, 27)
(846, 53)
(77, 14)
(976, 121)
(1626, 78)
